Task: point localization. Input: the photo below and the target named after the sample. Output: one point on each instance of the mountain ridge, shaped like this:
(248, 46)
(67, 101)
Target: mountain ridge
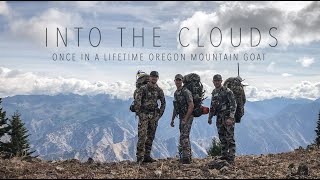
(82, 126)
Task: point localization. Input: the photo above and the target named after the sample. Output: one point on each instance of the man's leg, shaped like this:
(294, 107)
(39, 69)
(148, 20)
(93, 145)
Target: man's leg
(151, 132)
(181, 126)
(222, 137)
(185, 140)
(231, 145)
(142, 136)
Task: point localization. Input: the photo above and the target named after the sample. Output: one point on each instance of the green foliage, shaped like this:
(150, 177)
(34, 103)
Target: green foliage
(4, 128)
(19, 145)
(3, 121)
(215, 149)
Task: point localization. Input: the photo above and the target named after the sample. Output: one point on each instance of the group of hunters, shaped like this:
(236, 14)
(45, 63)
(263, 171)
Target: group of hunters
(148, 111)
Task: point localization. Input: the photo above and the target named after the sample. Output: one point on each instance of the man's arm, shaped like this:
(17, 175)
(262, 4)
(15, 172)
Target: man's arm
(190, 104)
(233, 104)
(163, 102)
(190, 110)
(211, 109)
(174, 114)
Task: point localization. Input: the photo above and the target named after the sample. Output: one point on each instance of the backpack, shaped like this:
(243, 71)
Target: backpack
(235, 85)
(193, 84)
(142, 79)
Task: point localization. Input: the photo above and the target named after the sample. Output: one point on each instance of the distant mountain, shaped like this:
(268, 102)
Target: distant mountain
(102, 127)
(289, 127)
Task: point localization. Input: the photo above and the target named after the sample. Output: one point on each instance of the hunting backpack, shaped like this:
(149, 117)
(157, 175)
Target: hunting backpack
(193, 84)
(142, 79)
(235, 85)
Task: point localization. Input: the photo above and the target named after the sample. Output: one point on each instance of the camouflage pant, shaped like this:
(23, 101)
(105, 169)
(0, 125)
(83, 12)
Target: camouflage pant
(148, 123)
(226, 136)
(185, 129)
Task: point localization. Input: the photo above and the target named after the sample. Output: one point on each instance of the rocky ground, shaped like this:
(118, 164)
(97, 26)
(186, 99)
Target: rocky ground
(302, 163)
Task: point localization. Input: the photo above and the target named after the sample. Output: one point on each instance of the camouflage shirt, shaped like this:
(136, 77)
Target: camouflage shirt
(147, 97)
(181, 99)
(223, 101)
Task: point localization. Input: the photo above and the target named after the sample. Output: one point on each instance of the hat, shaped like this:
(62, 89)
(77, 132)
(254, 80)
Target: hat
(217, 77)
(154, 74)
(178, 76)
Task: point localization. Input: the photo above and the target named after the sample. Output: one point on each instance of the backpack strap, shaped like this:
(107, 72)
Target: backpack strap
(184, 94)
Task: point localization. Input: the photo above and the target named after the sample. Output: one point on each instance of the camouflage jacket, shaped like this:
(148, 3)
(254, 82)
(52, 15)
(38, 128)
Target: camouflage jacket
(181, 99)
(223, 101)
(147, 97)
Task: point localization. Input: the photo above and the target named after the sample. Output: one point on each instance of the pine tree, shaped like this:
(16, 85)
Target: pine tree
(318, 132)
(4, 128)
(19, 145)
(215, 149)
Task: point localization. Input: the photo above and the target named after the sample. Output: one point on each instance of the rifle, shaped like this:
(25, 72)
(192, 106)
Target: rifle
(241, 80)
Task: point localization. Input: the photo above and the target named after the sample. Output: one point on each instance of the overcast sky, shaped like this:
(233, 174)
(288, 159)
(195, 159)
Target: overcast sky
(291, 69)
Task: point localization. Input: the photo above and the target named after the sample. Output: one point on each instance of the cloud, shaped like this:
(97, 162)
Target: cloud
(305, 61)
(289, 7)
(86, 4)
(4, 8)
(297, 25)
(26, 83)
(271, 66)
(167, 4)
(53, 18)
(256, 94)
(304, 89)
(19, 83)
(286, 74)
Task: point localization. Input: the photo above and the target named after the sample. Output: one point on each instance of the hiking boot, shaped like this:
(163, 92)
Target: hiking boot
(148, 160)
(230, 160)
(225, 158)
(139, 160)
(186, 161)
